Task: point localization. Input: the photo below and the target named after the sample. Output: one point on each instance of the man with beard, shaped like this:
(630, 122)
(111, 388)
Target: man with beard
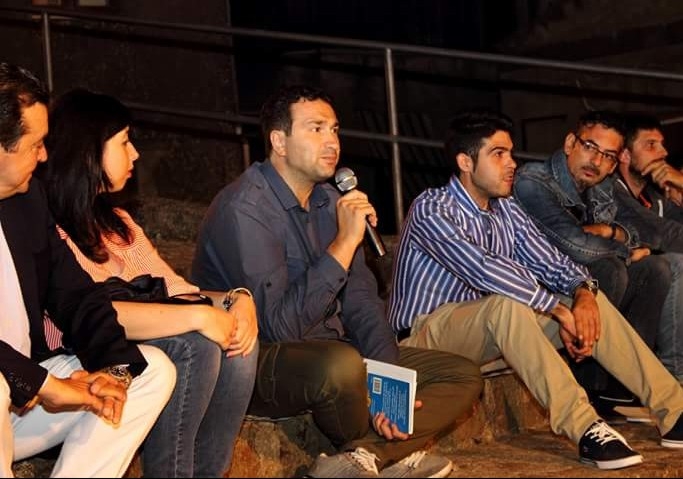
(473, 275)
(571, 198)
(654, 188)
(293, 240)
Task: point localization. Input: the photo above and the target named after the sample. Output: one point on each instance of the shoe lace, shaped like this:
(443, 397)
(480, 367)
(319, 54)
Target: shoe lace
(365, 459)
(414, 459)
(602, 433)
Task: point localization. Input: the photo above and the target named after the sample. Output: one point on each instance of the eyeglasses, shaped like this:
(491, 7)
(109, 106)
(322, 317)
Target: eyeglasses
(593, 149)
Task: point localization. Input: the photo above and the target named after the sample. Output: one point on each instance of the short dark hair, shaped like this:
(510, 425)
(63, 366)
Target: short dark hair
(637, 121)
(19, 89)
(276, 113)
(468, 130)
(607, 118)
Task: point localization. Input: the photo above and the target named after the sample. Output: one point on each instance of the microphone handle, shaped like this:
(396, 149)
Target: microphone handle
(375, 240)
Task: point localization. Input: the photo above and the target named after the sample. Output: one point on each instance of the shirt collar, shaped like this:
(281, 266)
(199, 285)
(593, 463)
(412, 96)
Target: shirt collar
(284, 193)
(560, 171)
(463, 198)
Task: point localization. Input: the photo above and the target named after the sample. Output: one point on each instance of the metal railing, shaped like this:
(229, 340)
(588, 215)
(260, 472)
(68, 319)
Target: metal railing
(388, 49)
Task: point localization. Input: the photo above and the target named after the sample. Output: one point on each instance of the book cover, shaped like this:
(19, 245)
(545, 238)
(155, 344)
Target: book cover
(391, 389)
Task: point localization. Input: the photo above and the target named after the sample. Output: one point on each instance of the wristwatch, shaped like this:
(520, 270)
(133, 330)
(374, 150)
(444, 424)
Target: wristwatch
(120, 373)
(591, 285)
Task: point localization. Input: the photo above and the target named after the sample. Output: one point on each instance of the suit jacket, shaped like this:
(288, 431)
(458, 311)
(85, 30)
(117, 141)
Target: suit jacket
(51, 280)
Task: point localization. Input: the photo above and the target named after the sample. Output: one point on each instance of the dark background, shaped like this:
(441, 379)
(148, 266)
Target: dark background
(201, 79)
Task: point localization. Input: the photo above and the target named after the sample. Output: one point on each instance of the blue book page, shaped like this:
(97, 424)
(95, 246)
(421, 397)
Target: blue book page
(391, 389)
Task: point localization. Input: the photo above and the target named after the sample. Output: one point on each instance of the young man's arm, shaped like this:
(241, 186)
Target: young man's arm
(659, 233)
(442, 237)
(244, 243)
(560, 225)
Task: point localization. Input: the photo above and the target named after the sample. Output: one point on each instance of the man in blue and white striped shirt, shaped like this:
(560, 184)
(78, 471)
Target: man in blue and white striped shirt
(473, 275)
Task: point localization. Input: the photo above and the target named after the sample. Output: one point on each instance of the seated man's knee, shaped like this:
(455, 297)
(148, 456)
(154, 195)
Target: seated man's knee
(340, 368)
(675, 261)
(508, 307)
(660, 269)
(613, 277)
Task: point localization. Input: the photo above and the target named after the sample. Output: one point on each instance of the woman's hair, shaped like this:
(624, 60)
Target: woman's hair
(80, 123)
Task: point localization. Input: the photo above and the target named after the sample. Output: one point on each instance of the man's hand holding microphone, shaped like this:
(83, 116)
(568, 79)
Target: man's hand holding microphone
(355, 217)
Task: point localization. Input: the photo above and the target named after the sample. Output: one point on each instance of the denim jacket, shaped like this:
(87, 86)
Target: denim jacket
(547, 191)
(664, 212)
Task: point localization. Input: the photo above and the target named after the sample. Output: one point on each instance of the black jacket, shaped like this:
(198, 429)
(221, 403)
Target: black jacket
(51, 280)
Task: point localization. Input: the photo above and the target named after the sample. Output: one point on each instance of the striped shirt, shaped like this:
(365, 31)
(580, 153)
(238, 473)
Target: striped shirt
(126, 260)
(450, 250)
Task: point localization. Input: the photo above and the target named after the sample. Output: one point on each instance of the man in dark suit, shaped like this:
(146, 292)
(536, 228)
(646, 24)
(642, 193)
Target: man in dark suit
(74, 395)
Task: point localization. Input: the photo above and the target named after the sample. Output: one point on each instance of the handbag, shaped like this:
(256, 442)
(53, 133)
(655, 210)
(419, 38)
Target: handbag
(146, 288)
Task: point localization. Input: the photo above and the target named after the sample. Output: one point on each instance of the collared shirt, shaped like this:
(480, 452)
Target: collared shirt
(126, 260)
(453, 251)
(649, 197)
(256, 234)
(51, 280)
(130, 259)
(664, 217)
(14, 328)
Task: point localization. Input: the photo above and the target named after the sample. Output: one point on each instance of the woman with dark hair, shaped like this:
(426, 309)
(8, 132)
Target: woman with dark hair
(214, 349)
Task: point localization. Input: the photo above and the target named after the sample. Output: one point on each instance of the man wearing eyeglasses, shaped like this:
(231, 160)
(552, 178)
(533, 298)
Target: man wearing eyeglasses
(571, 198)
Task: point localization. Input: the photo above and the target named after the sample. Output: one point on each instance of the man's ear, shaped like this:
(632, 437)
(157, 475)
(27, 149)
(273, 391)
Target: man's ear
(569, 142)
(625, 157)
(614, 167)
(465, 163)
(277, 140)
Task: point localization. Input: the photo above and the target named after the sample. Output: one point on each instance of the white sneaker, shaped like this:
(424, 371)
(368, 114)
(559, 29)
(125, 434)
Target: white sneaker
(357, 463)
(419, 464)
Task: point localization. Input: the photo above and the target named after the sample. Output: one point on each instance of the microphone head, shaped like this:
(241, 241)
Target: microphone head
(345, 179)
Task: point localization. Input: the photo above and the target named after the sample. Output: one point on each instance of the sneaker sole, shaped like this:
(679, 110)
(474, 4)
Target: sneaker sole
(615, 464)
(444, 472)
(634, 414)
(640, 420)
(671, 444)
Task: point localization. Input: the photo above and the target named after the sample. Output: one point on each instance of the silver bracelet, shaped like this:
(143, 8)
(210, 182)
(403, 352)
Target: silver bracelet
(231, 297)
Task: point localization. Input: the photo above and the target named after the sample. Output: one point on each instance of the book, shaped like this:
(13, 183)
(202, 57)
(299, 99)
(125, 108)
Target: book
(391, 389)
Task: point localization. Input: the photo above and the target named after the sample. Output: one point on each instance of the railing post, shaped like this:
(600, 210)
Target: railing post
(239, 131)
(393, 131)
(47, 50)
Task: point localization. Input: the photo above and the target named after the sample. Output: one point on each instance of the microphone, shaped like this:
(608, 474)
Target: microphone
(346, 181)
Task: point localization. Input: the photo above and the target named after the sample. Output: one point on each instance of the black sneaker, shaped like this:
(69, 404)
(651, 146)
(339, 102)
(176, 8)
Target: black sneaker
(605, 448)
(674, 438)
(620, 411)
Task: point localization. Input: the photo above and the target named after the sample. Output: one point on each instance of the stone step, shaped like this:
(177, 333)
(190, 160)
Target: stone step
(287, 448)
(507, 435)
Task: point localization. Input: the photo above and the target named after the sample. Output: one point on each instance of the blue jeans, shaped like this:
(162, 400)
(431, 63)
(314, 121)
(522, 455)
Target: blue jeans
(670, 334)
(195, 433)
